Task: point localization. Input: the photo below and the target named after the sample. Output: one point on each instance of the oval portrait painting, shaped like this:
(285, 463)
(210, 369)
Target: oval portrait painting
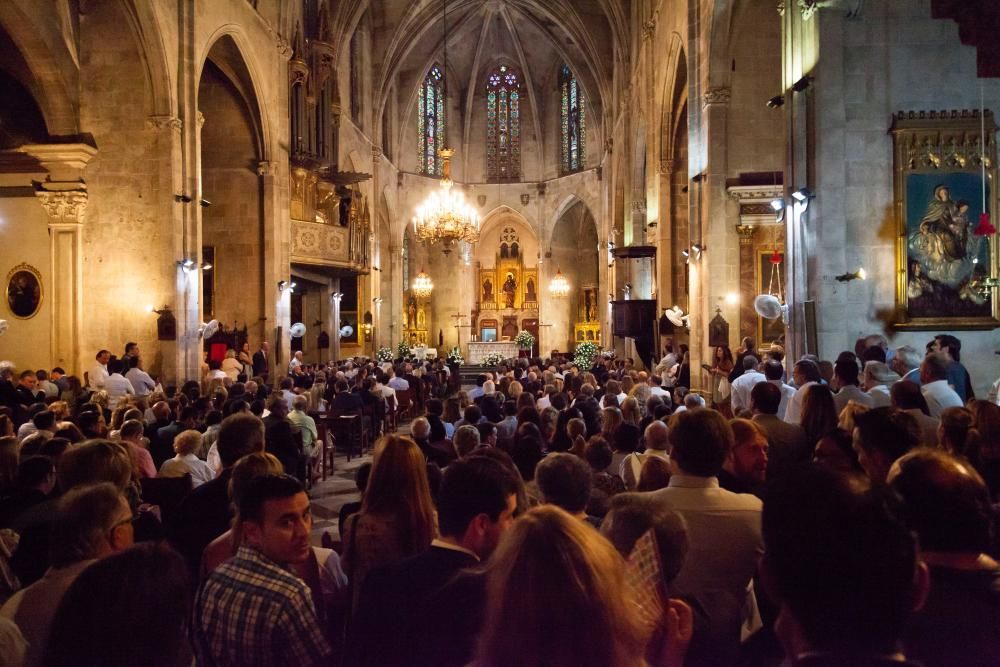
(24, 291)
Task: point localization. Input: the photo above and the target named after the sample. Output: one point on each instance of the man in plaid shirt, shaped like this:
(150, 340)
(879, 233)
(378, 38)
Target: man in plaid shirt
(252, 610)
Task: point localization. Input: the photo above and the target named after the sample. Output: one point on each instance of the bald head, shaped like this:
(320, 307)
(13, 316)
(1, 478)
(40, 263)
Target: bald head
(656, 435)
(161, 410)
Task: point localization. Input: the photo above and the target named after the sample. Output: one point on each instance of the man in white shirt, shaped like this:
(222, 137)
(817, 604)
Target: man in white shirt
(806, 374)
(845, 378)
(44, 385)
(906, 363)
(140, 379)
(613, 388)
(876, 379)
(724, 530)
(116, 385)
(304, 423)
(396, 382)
(744, 384)
(295, 365)
(934, 384)
(775, 374)
(98, 373)
(656, 388)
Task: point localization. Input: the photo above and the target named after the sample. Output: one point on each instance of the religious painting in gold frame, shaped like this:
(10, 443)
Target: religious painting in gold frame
(769, 331)
(24, 291)
(942, 181)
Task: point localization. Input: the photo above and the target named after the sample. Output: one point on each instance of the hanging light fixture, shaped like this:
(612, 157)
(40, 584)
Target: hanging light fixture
(422, 285)
(559, 286)
(444, 216)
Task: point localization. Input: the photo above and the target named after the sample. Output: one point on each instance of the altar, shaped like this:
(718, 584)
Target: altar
(479, 350)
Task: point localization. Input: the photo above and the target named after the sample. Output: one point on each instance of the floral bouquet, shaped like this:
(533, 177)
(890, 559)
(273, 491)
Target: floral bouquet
(584, 355)
(493, 359)
(524, 340)
(383, 354)
(403, 349)
(608, 354)
(455, 356)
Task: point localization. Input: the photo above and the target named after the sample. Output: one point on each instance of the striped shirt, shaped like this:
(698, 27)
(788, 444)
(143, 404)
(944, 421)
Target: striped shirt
(252, 612)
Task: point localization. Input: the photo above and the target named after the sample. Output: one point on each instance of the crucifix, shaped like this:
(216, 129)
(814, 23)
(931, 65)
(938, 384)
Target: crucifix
(458, 327)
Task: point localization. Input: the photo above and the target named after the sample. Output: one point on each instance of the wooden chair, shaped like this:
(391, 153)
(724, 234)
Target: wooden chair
(348, 432)
(324, 461)
(391, 414)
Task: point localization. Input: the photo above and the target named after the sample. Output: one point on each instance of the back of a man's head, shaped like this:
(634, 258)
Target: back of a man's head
(765, 398)
(565, 481)
(93, 462)
(420, 428)
(944, 500)
(846, 372)
(809, 370)
(886, 434)
(841, 559)
(44, 420)
(632, 514)
(83, 520)
(700, 440)
(656, 436)
(905, 395)
(934, 367)
(472, 486)
(750, 362)
(131, 429)
(239, 435)
(466, 439)
(473, 414)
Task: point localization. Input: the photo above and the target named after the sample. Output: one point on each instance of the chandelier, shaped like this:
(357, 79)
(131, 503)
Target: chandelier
(559, 285)
(422, 285)
(445, 217)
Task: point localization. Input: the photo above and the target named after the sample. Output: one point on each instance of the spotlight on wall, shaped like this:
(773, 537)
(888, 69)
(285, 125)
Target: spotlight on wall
(204, 203)
(206, 266)
(802, 195)
(187, 265)
(777, 204)
(285, 286)
(697, 249)
(182, 199)
(685, 253)
(802, 84)
(860, 274)
(776, 101)
(377, 300)
(336, 296)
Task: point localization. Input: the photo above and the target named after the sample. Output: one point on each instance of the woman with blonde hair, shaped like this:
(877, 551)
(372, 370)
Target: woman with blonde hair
(849, 414)
(397, 518)
(611, 419)
(231, 366)
(557, 597)
(514, 390)
(630, 411)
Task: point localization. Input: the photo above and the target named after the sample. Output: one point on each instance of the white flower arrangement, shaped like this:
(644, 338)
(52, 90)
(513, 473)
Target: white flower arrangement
(383, 354)
(584, 354)
(403, 349)
(524, 340)
(608, 354)
(493, 359)
(455, 356)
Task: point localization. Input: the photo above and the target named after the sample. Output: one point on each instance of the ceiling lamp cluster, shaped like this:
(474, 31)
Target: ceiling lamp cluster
(559, 286)
(422, 285)
(445, 217)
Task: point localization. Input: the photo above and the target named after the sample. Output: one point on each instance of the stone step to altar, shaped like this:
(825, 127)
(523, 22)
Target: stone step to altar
(470, 373)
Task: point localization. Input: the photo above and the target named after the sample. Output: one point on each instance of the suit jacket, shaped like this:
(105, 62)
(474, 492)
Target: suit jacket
(260, 364)
(788, 446)
(202, 516)
(390, 600)
(449, 620)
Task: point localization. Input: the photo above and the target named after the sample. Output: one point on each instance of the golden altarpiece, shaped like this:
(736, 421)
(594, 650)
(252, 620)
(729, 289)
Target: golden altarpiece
(507, 299)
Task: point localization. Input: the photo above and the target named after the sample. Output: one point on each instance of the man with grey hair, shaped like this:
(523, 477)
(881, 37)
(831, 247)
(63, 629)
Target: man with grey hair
(303, 423)
(657, 443)
(876, 379)
(906, 362)
(91, 522)
(466, 439)
(934, 384)
(441, 453)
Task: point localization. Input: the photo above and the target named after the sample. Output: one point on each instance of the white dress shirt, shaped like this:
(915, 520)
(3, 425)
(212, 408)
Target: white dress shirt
(97, 375)
(787, 391)
(141, 381)
(880, 396)
(179, 466)
(742, 386)
(940, 396)
(793, 412)
(852, 392)
(398, 383)
(117, 387)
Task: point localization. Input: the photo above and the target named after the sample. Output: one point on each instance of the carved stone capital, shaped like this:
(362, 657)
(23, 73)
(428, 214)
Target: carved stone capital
(200, 120)
(717, 95)
(164, 122)
(65, 207)
(283, 46)
(746, 234)
(266, 168)
(649, 26)
(376, 154)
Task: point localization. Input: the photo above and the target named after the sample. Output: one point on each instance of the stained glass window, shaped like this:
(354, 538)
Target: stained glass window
(503, 124)
(430, 122)
(571, 117)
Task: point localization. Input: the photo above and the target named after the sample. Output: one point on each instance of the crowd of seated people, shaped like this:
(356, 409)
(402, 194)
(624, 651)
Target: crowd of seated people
(806, 513)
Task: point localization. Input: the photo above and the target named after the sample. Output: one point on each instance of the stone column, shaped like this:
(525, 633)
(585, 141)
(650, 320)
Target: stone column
(336, 296)
(747, 324)
(64, 197)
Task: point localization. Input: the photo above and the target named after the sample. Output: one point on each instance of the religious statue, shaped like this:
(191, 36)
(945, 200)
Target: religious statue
(487, 291)
(588, 307)
(411, 311)
(531, 290)
(509, 290)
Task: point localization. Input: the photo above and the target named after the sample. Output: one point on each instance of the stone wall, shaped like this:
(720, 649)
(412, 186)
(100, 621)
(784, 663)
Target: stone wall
(895, 57)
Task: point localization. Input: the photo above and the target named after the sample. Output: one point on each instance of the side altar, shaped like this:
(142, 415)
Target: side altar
(479, 350)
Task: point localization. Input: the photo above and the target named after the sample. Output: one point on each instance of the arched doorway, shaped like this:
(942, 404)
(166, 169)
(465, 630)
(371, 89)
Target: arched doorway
(573, 248)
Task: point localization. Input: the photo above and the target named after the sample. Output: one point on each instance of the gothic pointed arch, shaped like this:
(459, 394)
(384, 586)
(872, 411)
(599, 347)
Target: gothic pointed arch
(503, 123)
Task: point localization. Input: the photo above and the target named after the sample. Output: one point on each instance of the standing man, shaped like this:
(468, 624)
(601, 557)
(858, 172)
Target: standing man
(261, 365)
(252, 610)
(98, 373)
(958, 376)
(744, 383)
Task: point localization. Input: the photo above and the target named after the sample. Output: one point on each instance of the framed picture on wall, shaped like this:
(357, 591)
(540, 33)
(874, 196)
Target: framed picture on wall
(942, 183)
(24, 291)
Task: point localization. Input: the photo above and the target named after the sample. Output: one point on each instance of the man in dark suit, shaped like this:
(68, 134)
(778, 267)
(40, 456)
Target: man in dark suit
(476, 504)
(788, 448)
(27, 395)
(279, 437)
(261, 366)
(205, 513)
(345, 400)
(164, 446)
